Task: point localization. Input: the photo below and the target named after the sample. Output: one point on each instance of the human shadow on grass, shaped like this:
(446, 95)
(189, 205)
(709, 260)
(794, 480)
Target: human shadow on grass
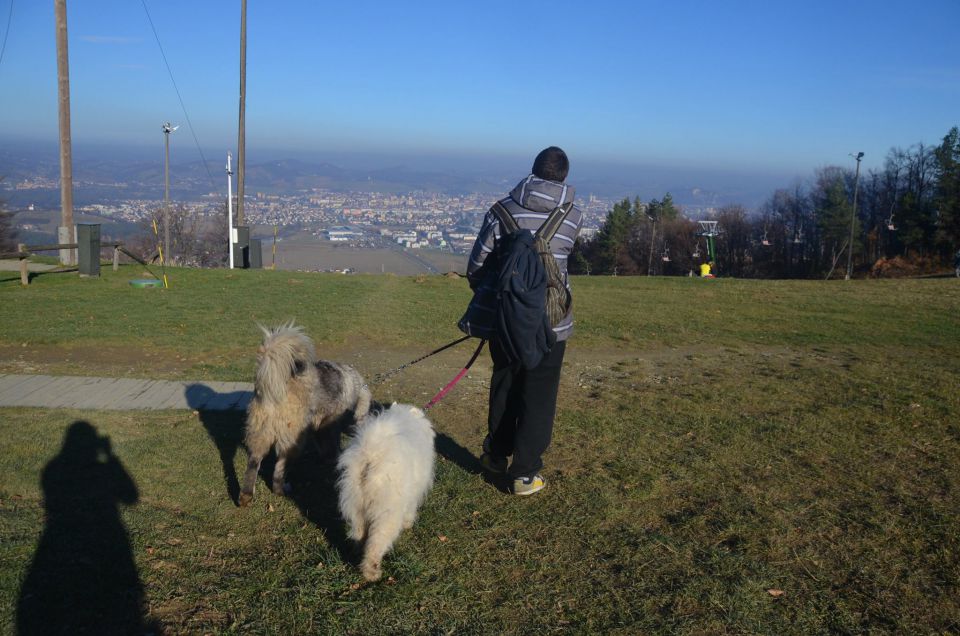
(453, 452)
(223, 416)
(83, 579)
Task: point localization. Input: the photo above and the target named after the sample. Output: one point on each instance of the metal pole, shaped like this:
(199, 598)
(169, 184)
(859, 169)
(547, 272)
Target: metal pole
(241, 135)
(66, 231)
(853, 217)
(229, 210)
(166, 191)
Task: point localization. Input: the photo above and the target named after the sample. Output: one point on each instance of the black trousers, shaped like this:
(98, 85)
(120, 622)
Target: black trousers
(523, 403)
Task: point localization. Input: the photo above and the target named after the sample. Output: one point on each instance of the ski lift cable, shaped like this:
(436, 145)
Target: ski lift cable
(175, 88)
(6, 31)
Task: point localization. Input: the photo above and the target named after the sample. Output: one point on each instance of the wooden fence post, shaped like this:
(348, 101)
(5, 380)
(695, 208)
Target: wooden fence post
(116, 257)
(24, 274)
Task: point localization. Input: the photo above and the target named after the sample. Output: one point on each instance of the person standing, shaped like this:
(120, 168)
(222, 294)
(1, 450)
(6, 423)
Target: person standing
(522, 402)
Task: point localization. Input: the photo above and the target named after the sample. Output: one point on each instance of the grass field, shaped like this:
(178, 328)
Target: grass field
(769, 457)
(313, 254)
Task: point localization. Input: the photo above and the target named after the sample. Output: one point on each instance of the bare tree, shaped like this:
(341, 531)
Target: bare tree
(195, 240)
(734, 249)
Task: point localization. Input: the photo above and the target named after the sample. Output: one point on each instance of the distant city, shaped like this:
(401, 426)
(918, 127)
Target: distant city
(408, 207)
(361, 219)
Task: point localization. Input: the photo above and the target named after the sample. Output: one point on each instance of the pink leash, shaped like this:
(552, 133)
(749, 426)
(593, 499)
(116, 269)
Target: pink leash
(443, 392)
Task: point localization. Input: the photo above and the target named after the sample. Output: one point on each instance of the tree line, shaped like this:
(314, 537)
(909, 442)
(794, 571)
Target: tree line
(907, 221)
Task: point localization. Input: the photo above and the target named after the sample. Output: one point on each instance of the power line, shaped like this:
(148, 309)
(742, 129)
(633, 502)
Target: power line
(189, 124)
(6, 32)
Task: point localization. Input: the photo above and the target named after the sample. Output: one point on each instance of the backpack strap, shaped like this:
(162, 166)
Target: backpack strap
(547, 230)
(553, 222)
(506, 219)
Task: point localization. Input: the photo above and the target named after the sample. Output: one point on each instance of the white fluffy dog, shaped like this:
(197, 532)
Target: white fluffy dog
(386, 472)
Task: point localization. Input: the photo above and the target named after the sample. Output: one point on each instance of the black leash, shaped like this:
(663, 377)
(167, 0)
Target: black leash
(383, 376)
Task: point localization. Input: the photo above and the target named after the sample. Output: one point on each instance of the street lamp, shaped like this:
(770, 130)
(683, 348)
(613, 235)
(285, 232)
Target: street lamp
(167, 129)
(853, 215)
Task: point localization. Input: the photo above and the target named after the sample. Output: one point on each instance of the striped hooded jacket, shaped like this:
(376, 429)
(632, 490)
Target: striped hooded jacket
(530, 203)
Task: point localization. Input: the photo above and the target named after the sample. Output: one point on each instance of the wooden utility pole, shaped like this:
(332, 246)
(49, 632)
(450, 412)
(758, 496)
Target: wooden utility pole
(65, 233)
(241, 135)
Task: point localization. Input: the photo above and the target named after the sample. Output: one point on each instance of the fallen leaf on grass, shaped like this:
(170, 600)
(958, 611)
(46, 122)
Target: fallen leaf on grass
(442, 537)
(775, 592)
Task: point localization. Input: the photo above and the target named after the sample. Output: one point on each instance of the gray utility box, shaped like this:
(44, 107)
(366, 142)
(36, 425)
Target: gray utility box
(88, 248)
(256, 254)
(241, 249)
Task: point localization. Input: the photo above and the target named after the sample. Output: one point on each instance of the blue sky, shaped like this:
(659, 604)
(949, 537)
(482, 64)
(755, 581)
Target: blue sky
(753, 86)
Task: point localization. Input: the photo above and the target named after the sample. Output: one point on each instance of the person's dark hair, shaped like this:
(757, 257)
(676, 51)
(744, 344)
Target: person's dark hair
(551, 164)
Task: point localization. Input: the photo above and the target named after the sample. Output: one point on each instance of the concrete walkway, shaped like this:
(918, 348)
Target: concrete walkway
(121, 394)
(13, 265)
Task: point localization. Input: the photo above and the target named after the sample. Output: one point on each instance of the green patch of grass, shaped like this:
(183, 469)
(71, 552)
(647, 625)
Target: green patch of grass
(208, 317)
(717, 443)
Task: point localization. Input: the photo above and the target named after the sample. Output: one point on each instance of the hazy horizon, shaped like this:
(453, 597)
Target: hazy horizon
(604, 178)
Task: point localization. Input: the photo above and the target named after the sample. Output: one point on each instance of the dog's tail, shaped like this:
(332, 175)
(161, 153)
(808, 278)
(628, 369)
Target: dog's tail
(286, 351)
(353, 466)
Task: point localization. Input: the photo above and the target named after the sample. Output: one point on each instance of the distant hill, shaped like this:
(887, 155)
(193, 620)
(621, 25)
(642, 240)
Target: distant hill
(139, 174)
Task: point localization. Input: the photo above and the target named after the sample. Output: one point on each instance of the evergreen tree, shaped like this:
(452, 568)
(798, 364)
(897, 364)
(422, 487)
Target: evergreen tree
(8, 233)
(947, 197)
(668, 211)
(612, 238)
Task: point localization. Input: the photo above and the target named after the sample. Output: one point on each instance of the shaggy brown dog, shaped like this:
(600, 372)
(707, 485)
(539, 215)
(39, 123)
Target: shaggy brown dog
(294, 395)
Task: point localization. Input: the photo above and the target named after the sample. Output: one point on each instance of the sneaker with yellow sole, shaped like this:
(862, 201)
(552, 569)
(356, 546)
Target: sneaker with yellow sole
(528, 485)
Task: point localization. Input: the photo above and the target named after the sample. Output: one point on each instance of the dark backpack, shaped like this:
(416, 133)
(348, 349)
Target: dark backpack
(558, 299)
(520, 296)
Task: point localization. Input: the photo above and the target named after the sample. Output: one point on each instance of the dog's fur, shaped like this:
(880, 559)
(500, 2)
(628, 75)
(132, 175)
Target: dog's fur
(295, 394)
(385, 474)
